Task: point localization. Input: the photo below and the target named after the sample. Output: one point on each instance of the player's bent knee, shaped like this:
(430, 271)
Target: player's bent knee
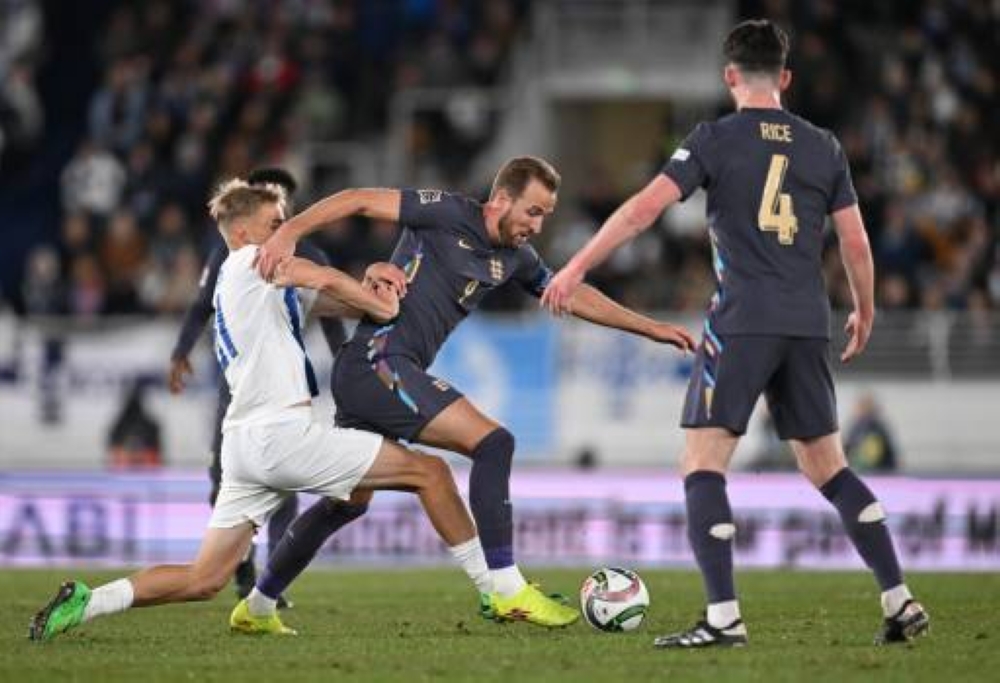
(502, 440)
(436, 471)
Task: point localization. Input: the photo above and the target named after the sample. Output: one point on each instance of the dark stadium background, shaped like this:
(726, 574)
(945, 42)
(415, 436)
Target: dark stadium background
(119, 117)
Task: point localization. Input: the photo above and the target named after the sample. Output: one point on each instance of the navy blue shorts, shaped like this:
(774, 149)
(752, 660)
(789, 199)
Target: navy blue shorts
(730, 373)
(389, 395)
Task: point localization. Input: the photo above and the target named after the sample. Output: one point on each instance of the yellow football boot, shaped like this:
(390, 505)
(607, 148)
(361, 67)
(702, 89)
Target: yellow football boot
(241, 621)
(533, 606)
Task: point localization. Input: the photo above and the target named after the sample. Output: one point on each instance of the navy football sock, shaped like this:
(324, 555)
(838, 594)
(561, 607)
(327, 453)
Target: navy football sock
(489, 497)
(710, 532)
(864, 521)
(280, 521)
(303, 540)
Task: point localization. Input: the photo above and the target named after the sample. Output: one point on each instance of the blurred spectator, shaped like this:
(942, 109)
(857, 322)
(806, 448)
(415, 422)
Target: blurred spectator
(118, 109)
(45, 296)
(900, 249)
(586, 458)
(21, 114)
(171, 278)
(123, 257)
(21, 25)
(134, 438)
(320, 109)
(77, 239)
(44, 293)
(146, 183)
(869, 443)
(170, 236)
(895, 292)
(93, 181)
(181, 282)
(87, 287)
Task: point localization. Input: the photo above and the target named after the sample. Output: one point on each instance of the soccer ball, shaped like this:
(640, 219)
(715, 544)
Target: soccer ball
(614, 599)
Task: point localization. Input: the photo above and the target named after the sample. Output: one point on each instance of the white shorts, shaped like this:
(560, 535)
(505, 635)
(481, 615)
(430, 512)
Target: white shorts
(263, 462)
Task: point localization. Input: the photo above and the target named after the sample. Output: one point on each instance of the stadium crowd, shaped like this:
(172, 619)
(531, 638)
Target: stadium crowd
(194, 91)
(910, 89)
(188, 97)
(22, 117)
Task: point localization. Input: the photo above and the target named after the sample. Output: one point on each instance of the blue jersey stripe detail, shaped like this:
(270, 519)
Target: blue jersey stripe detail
(708, 378)
(221, 357)
(718, 263)
(292, 304)
(222, 332)
(713, 337)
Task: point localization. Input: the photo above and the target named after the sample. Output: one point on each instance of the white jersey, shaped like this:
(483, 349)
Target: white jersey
(259, 343)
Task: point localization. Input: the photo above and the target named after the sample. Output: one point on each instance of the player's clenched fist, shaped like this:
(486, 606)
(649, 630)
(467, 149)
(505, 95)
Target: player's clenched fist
(280, 246)
(386, 274)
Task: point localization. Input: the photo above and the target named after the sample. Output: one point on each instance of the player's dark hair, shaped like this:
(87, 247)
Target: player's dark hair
(757, 46)
(274, 176)
(515, 175)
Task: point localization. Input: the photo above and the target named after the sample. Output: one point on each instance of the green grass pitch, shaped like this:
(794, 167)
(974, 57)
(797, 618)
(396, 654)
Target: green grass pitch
(421, 625)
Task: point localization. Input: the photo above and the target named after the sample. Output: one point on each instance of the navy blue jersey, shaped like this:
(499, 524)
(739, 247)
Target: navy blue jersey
(771, 180)
(450, 265)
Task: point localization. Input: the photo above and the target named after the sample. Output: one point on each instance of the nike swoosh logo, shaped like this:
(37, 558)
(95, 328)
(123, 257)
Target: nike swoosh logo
(464, 244)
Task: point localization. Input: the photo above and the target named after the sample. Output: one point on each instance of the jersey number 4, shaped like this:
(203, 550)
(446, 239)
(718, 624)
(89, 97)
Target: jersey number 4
(776, 213)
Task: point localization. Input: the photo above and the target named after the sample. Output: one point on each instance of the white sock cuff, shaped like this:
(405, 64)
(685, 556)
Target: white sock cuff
(469, 555)
(110, 598)
(722, 614)
(508, 581)
(127, 591)
(260, 605)
(894, 599)
(463, 549)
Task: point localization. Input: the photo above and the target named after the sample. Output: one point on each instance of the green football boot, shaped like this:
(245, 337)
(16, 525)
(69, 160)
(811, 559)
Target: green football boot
(486, 610)
(62, 613)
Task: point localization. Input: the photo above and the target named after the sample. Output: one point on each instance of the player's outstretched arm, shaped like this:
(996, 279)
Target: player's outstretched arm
(381, 204)
(195, 317)
(856, 254)
(380, 278)
(340, 294)
(591, 305)
(630, 219)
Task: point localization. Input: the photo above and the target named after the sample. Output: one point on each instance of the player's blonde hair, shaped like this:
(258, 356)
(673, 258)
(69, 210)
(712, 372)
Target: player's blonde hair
(236, 198)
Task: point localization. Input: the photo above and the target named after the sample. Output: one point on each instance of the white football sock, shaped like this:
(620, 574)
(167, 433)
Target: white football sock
(722, 614)
(260, 605)
(112, 597)
(508, 580)
(470, 557)
(894, 599)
